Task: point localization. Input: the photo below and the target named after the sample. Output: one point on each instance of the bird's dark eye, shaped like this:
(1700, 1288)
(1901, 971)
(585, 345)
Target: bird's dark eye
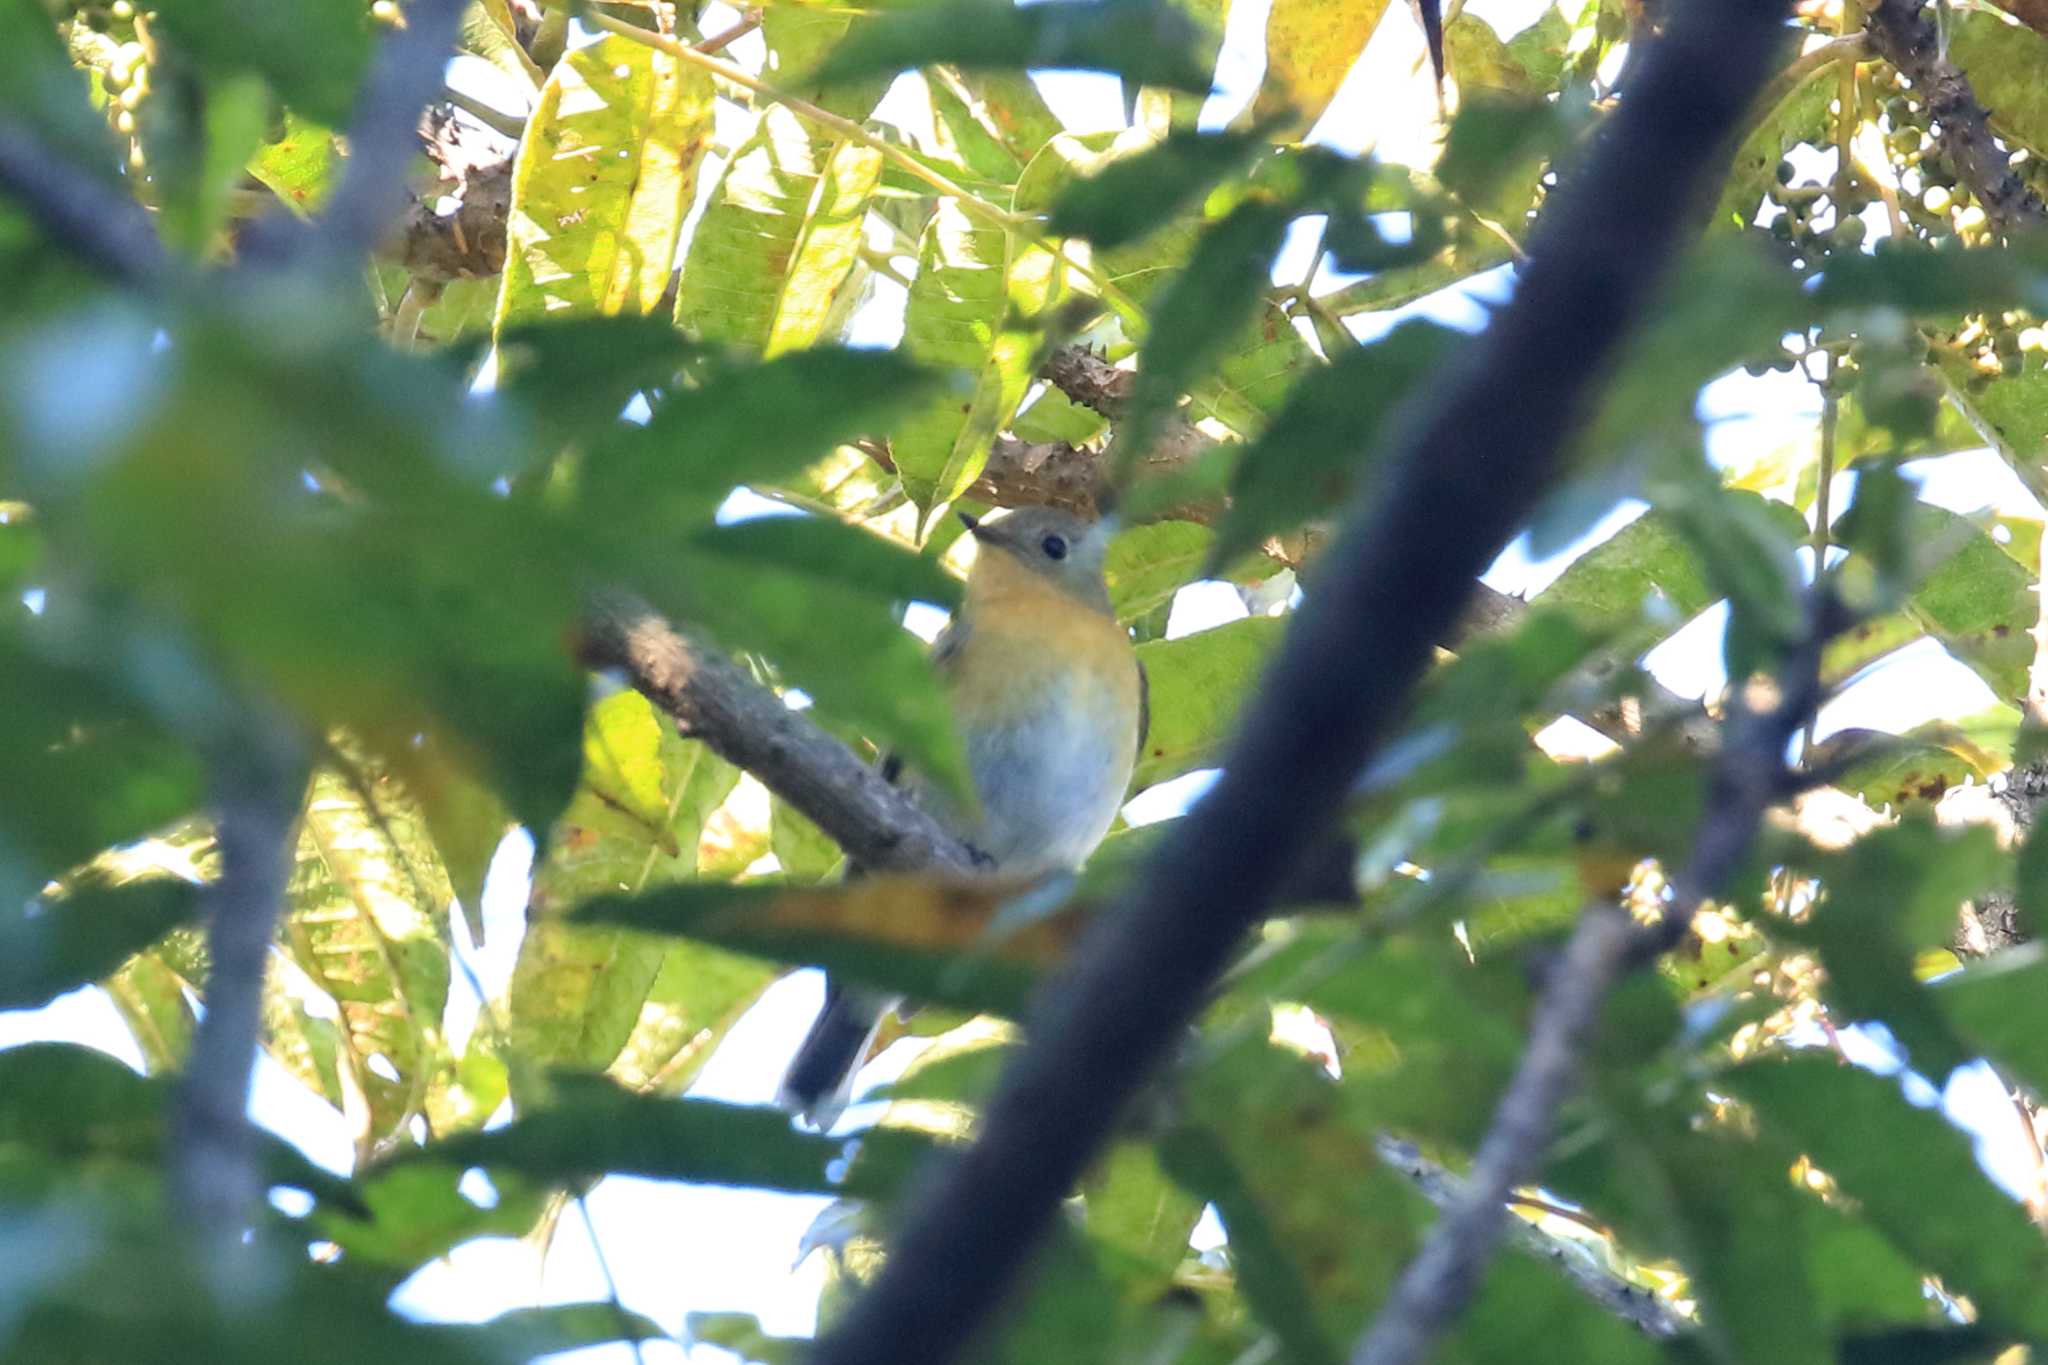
(1055, 547)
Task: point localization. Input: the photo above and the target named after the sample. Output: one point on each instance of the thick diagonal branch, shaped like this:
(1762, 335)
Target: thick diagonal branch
(1904, 36)
(1462, 476)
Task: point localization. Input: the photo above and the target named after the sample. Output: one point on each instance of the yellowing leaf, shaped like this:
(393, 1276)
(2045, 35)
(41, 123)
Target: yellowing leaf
(778, 242)
(1310, 47)
(602, 183)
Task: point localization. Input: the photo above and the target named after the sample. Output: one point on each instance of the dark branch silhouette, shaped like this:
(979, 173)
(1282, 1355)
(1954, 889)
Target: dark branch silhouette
(1467, 471)
(1904, 36)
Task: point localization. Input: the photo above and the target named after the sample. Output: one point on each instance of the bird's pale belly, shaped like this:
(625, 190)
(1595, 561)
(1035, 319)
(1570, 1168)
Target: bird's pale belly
(1051, 780)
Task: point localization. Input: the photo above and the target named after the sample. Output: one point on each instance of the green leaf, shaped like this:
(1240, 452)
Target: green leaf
(806, 852)
(80, 1104)
(1976, 600)
(930, 937)
(368, 924)
(578, 993)
(833, 552)
(89, 769)
(411, 1214)
(972, 309)
(746, 424)
(558, 1327)
(697, 995)
(312, 54)
(1310, 48)
(1639, 563)
(1135, 1206)
(1318, 1226)
(777, 244)
(1783, 117)
(86, 933)
(592, 1127)
(603, 182)
(302, 166)
(1130, 196)
(151, 999)
(1998, 1002)
(1198, 683)
(488, 31)
(194, 206)
(1196, 317)
(1146, 565)
(1326, 437)
(1915, 769)
(1921, 1186)
(2004, 60)
(1146, 41)
(1893, 893)
(572, 377)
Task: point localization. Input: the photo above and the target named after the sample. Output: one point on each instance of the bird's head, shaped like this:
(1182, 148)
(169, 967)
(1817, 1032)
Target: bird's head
(1054, 545)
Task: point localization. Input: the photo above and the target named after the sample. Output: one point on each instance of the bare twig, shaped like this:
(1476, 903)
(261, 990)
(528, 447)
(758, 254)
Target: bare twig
(95, 222)
(1903, 35)
(1461, 476)
(213, 1170)
(1625, 1300)
(1747, 782)
(719, 42)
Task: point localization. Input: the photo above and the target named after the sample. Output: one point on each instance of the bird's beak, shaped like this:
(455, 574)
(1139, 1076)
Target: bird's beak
(971, 522)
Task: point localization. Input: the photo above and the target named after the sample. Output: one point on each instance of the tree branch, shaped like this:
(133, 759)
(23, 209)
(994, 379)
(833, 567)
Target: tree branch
(1623, 1299)
(104, 228)
(1461, 478)
(213, 1174)
(1903, 35)
(749, 725)
(1748, 781)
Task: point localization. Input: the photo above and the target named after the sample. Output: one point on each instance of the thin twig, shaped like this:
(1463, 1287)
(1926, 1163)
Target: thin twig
(1439, 1282)
(256, 792)
(719, 42)
(1383, 595)
(627, 1329)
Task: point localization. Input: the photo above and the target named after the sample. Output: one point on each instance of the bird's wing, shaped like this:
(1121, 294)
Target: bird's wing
(946, 648)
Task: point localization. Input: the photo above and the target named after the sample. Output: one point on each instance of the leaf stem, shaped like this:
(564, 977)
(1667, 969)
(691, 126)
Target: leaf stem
(845, 127)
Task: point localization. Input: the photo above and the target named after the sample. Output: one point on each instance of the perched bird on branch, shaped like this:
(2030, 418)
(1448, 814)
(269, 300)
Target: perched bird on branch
(1050, 702)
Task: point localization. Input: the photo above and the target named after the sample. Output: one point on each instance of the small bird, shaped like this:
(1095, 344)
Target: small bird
(1050, 701)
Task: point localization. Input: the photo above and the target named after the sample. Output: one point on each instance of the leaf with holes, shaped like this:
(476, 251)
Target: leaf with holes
(973, 309)
(634, 823)
(369, 924)
(779, 239)
(602, 183)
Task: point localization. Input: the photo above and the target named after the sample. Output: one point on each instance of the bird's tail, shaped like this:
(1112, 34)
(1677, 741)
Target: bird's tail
(819, 1082)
